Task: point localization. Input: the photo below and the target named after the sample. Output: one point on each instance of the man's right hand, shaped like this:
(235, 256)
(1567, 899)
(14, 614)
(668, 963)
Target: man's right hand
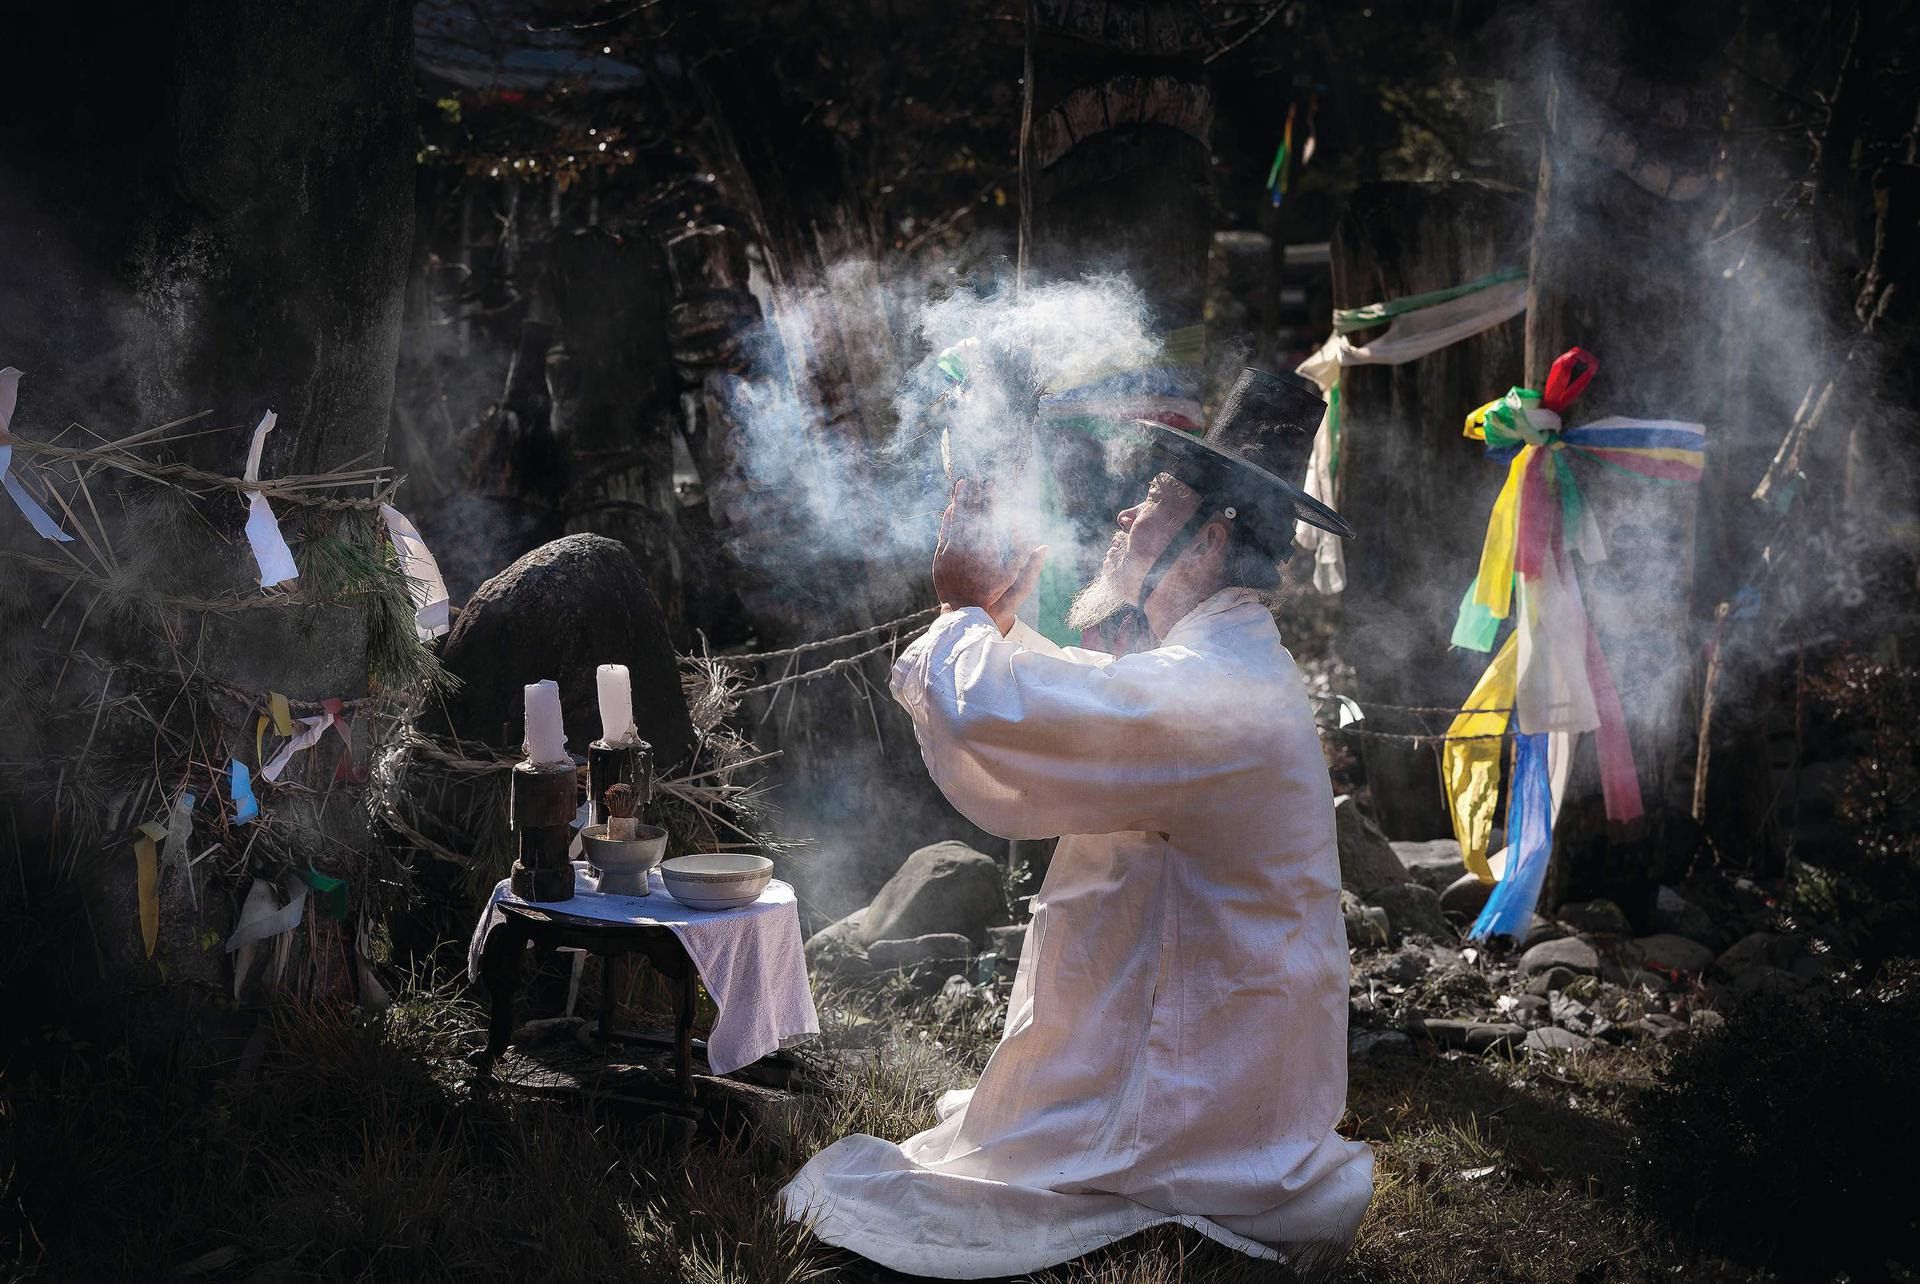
(970, 567)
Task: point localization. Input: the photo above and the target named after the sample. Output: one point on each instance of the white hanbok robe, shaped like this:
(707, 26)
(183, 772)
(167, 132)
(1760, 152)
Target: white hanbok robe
(1175, 1046)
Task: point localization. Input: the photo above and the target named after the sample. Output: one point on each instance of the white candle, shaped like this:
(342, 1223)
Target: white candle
(616, 704)
(546, 742)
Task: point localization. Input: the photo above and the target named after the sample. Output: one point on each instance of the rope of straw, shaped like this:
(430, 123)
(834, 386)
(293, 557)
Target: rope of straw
(210, 605)
(253, 700)
(291, 489)
(825, 642)
(811, 674)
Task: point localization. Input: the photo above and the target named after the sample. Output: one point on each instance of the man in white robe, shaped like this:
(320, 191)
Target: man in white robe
(1175, 1045)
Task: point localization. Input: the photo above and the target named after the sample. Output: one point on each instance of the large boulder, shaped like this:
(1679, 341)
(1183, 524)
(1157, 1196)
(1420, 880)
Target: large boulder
(1367, 862)
(1436, 863)
(560, 612)
(948, 887)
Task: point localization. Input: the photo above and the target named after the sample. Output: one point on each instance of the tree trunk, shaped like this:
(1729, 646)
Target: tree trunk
(1622, 208)
(1414, 488)
(220, 223)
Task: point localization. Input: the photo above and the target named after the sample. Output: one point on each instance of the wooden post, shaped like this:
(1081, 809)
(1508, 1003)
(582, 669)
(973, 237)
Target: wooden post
(1627, 173)
(543, 803)
(1416, 490)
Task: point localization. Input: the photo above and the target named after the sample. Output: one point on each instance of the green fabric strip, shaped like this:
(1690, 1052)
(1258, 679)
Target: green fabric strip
(1347, 320)
(1476, 626)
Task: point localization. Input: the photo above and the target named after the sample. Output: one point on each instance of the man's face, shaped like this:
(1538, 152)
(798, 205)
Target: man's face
(1143, 533)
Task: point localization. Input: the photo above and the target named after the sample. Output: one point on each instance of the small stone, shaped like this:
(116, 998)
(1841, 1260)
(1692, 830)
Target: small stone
(1007, 942)
(935, 947)
(1367, 926)
(1570, 952)
(1369, 1043)
(1465, 897)
(1530, 1009)
(1659, 1026)
(1654, 982)
(1406, 966)
(1602, 918)
(1754, 950)
(1705, 1019)
(1472, 1036)
(954, 997)
(1412, 910)
(1367, 862)
(1557, 977)
(1670, 952)
(1436, 863)
(1551, 1041)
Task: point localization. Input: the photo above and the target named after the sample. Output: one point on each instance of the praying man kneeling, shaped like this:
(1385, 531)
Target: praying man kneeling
(1175, 1046)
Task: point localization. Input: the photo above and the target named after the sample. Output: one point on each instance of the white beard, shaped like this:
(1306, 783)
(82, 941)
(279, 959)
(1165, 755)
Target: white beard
(1097, 603)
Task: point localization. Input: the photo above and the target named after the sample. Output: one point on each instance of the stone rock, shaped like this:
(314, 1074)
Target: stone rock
(1670, 952)
(1754, 950)
(1367, 926)
(1552, 1041)
(1472, 1036)
(559, 612)
(1406, 966)
(1569, 952)
(1674, 914)
(1370, 1043)
(1554, 978)
(954, 998)
(1465, 897)
(1531, 1009)
(1602, 918)
(935, 947)
(1412, 910)
(1656, 982)
(1659, 1026)
(1007, 942)
(1766, 979)
(1705, 1019)
(947, 887)
(835, 949)
(1435, 863)
(1367, 862)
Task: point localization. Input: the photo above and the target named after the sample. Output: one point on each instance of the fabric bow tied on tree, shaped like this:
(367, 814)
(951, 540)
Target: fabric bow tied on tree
(1550, 675)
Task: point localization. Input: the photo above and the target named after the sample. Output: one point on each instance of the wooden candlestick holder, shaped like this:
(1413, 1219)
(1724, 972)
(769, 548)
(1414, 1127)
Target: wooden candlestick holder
(625, 764)
(542, 814)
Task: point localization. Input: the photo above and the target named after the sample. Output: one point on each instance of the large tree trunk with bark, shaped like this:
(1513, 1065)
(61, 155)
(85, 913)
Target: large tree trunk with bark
(218, 222)
(1414, 488)
(1627, 175)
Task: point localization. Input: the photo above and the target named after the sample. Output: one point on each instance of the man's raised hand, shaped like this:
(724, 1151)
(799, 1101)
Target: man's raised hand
(973, 568)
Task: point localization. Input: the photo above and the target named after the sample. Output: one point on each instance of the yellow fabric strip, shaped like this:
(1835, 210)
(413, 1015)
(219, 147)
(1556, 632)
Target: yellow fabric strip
(1470, 768)
(147, 869)
(260, 741)
(282, 716)
(1495, 589)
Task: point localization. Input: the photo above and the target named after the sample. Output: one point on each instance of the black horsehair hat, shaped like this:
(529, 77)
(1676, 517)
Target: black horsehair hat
(1261, 436)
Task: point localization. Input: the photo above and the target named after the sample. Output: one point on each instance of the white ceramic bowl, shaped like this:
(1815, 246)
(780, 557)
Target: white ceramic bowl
(717, 880)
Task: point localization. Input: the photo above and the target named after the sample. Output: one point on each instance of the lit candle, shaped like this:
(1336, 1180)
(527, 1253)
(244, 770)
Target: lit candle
(616, 705)
(546, 742)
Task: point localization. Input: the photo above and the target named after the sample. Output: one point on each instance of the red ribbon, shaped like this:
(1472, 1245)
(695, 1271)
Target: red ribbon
(1572, 371)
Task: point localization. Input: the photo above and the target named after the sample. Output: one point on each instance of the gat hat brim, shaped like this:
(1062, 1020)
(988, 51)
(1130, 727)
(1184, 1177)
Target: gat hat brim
(1227, 478)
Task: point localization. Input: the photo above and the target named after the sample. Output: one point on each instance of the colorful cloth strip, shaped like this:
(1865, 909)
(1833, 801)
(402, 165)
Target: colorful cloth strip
(1551, 672)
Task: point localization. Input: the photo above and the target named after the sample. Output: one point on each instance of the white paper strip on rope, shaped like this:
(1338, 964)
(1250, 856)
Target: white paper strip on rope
(424, 584)
(311, 730)
(36, 516)
(263, 528)
(179, 838)
(262, 918)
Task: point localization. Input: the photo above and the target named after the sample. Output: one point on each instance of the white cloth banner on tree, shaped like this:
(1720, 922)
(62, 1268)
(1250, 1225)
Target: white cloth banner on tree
(262, 918)
(36, 516)
(424, 583)
(1414, 333)
(263, 528)
(311, 730)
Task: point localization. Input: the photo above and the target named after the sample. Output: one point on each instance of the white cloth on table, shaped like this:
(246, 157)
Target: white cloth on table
(750, 958)
(1175, 1046)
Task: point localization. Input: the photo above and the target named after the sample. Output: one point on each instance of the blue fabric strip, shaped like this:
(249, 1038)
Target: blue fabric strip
(1634, 438)
(1529, 844)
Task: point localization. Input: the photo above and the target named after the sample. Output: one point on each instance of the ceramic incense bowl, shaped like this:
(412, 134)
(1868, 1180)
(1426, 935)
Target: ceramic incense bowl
(620, 865)
(717, 881)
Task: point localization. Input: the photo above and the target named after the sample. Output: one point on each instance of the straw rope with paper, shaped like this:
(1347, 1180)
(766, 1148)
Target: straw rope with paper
(1550, 676)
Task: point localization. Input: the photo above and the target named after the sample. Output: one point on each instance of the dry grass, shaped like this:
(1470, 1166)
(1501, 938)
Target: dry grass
(357, 1150)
